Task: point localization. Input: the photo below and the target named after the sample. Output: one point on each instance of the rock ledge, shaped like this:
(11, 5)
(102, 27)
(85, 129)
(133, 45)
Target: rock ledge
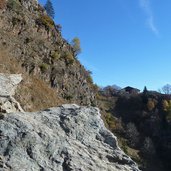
(65, 138)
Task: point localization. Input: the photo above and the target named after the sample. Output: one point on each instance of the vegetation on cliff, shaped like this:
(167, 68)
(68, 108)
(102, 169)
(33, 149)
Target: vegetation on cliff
(30, 38)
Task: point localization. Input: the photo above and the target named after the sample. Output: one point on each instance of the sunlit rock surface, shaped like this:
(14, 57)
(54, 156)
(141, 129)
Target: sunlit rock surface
(8, 84)
(66, 138)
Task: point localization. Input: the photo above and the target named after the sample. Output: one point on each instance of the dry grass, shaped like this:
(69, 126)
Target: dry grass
(9, 64)
(2, 4)
(33, 94)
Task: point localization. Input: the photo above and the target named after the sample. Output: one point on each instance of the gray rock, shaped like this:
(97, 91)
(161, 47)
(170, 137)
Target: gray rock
(29, 4)
(65, 138)
(8, 84)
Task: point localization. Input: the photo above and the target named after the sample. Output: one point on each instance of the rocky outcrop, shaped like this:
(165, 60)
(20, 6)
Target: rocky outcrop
(8, 84)
(35, 41)
(65, 138)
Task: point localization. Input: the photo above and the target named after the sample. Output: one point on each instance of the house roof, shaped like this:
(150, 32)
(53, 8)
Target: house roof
(128, 88)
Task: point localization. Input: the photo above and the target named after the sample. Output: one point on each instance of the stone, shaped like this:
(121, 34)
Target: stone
(65, 138)
(8, 84)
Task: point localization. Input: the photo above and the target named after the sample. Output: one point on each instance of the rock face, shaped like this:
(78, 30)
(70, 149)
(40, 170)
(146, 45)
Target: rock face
(35, 41)
(8, 84)
(66, 138)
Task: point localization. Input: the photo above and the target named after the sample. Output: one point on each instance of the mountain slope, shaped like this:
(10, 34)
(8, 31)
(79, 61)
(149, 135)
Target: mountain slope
(33, 40)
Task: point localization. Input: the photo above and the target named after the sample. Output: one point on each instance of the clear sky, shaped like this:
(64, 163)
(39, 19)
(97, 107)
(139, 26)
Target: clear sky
(124, 42)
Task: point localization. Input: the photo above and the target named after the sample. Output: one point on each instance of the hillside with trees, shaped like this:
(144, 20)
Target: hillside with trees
(142, 123)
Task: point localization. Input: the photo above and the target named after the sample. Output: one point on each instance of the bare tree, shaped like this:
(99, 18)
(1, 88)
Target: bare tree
(166, 89)
(148, 148)
(132, 134)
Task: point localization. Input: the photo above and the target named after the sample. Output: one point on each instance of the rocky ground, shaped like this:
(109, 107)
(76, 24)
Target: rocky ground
(65, 138)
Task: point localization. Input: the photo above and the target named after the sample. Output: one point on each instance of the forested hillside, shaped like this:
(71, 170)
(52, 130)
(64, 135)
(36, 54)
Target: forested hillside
(142, 122)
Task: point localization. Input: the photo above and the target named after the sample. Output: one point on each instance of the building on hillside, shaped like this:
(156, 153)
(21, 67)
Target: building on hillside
(130, 90)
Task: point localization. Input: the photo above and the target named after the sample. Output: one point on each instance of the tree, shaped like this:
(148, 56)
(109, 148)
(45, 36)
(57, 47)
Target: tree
(148, 148)
(132, 134)
(49, 9)
(76, 46)
(58, 27)
(165, 105)
(167, 108)
(150, 104)
(145, 91)
(145, 95)
(166, 89)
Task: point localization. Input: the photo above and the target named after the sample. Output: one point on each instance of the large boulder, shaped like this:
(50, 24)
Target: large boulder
(65, 138)
(8, 84)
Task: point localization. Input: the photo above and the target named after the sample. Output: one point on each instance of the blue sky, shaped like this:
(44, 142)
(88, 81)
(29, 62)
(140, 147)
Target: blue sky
(124, 42)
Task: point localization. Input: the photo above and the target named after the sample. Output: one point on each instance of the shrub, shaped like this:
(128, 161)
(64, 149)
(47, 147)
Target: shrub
(15, 21)
(89, 79)
(28, 40)
(44, 67)
(58, 27)
(125, 147)
(55, 55)
(69, 59)
(110, 121)
(115, 125)
(167, 108)
(14, 5)
(95, 88)
(18, 20)
(68, 97)
(46, 21)
(165, 105)
(150, 104)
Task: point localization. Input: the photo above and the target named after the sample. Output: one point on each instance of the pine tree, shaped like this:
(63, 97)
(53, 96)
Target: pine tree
(145, 95)
(145, 90)
(49, 9)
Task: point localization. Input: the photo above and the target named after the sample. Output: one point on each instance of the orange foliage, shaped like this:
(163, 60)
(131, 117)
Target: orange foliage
(150, 105)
